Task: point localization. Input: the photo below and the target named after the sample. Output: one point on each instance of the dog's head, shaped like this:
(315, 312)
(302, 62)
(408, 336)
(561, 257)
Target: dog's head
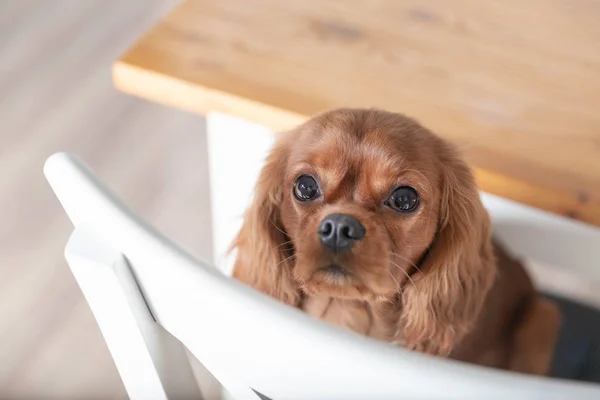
(371, 206)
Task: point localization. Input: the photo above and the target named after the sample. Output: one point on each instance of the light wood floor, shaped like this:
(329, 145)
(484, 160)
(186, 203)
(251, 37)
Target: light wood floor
(56, 94)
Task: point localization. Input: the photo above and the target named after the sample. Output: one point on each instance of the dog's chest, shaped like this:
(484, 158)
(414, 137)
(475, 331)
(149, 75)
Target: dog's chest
(354, 315)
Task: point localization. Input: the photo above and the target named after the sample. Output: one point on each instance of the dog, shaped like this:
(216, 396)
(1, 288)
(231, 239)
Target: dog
(367, 220)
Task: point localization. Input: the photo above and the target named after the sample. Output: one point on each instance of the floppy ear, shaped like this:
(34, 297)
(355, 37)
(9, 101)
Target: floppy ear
(264, 255)
(458, 270)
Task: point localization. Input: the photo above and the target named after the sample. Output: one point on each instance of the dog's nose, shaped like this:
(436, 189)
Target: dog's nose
(339, 231)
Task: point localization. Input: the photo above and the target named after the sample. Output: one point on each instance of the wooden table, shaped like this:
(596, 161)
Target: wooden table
(516, 84)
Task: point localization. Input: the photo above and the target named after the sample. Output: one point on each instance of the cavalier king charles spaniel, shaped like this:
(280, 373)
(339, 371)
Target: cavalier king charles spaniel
(367, 220)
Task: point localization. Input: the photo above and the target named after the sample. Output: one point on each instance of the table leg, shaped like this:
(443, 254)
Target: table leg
(236, 152)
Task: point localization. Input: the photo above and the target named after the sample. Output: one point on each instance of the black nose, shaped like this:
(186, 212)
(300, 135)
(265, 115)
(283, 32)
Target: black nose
(339, 231)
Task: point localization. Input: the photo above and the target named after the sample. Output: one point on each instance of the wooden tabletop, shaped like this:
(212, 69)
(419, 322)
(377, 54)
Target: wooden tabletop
(516, 84)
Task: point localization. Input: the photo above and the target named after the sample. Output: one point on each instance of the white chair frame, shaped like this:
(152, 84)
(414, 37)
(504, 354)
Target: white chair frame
(151, 300)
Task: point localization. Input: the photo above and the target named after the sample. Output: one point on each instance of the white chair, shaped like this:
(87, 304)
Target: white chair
(151, 299)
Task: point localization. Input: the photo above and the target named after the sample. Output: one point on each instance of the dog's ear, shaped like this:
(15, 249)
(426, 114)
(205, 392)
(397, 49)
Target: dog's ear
(264, 255)
(457, 271)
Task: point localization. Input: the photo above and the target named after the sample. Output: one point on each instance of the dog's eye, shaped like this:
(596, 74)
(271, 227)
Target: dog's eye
(403, 199)
(306, 188)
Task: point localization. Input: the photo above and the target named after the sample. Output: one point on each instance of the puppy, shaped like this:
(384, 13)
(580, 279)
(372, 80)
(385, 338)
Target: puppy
(365, 219)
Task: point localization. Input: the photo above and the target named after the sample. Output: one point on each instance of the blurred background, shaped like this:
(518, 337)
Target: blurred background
(56, 94)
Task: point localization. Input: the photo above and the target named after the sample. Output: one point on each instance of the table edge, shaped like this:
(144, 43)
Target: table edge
(192, 97)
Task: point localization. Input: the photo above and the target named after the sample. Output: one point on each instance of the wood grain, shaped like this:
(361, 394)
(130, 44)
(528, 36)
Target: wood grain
(515, 84)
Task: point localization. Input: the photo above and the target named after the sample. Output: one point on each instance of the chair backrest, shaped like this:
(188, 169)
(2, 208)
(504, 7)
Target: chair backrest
(244, 338)
(538, 235)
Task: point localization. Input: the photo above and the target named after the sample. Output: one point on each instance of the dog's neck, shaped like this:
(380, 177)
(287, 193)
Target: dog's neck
(376, 320)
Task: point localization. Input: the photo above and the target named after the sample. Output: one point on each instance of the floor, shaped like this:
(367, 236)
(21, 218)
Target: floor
(56, 94)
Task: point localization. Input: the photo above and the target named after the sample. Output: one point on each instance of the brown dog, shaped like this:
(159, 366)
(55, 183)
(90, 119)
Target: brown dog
(365, 219)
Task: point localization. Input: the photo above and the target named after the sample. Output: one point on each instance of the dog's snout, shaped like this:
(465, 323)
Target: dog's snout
(339, 231)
